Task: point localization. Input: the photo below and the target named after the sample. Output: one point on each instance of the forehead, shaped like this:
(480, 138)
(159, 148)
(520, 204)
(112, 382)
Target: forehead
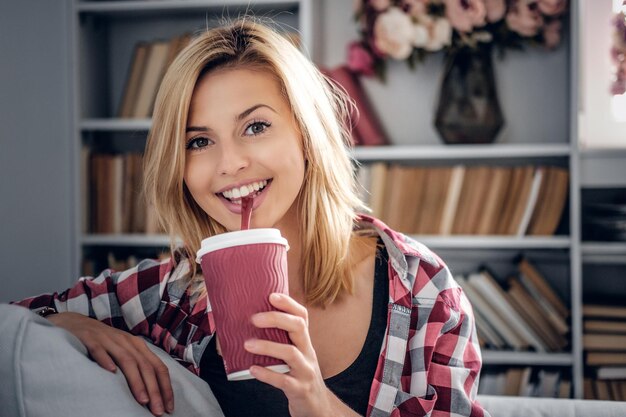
(229, 89)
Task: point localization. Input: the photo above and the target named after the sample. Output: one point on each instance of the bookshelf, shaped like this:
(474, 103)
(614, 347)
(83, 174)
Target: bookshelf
(104, 33)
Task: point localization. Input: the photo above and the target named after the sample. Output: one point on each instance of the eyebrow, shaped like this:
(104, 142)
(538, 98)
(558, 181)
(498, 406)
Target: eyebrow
(241, 116)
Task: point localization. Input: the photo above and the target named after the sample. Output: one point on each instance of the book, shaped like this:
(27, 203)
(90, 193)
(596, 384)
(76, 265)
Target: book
(440, 178)
(601, 390)
(604, 326)
(611, 372)
(513, 381)
(588, 391)
(511, 198)
(398, 209)
(494, 201)
(151, 79)
(592, 310)
(133, 80)
(565, 388)
(547, 219)
(451, 200)
(531, 311)
(412, 186)
(495, 295)
(603, 342)
(605, 358)
(491, 315)
(462, 221)
(365, 122)
(377, 191)
(476, 203)
(548, 383)
(521, 200)
(425, 196)
(531, 201)
(533, 276)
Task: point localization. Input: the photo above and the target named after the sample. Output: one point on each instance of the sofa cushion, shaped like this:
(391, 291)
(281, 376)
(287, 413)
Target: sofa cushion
(502, 406)
(45, 371)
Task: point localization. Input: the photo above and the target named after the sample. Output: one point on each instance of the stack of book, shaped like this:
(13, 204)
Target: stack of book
(466, 200)
(149, 62)
(604, 342)
(525, 314)
(526, 382)
(148, 65)
(116, 262)
(113, 195)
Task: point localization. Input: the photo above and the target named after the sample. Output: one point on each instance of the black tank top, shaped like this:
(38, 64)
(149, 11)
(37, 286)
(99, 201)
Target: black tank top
(352, 386)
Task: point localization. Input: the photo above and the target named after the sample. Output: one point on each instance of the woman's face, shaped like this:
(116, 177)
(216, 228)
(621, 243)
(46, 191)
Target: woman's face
(242, 140)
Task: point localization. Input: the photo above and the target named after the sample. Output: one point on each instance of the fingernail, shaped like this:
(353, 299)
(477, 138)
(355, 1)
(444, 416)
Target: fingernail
(143, 397)
(275, 296)
(170, 407)
(158, 408)
(249, 344)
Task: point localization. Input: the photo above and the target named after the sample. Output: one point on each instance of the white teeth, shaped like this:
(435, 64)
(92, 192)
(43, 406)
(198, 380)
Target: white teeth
(244, 191)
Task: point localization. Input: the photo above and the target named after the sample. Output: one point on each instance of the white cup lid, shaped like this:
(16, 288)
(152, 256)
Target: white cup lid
(239, 238)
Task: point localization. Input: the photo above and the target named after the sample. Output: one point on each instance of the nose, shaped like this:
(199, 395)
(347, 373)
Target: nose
(233, 159)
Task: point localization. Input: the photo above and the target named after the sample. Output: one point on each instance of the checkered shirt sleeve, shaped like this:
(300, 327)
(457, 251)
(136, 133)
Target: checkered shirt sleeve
(155, 299)
(430, 361)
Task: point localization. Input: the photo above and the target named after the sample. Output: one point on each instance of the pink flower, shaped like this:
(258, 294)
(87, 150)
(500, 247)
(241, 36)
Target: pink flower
(360, 60)
(552, 7)
(495, 10)
(552, 34)
(380, 5)
(464, 15)
(524, 18)
(393, 33)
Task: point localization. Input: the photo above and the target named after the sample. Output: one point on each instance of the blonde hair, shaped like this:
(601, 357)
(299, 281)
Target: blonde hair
(328, 196)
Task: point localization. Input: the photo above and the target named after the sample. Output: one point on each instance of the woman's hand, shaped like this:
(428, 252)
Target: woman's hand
(147, 376)
(304, 385)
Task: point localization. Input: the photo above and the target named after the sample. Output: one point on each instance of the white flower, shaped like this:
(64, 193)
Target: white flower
(420, 35)
(440, 34)
(394, 33)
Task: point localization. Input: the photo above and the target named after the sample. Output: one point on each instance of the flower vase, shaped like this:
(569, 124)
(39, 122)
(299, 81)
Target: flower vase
(468, 110)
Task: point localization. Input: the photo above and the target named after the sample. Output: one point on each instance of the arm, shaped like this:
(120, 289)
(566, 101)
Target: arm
(126, 300)
(103, 312)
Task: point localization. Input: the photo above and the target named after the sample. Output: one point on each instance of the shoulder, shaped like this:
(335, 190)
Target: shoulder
(423, 274)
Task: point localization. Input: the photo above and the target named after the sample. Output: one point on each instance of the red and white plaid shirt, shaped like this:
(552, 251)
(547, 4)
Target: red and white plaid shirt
(429, 363)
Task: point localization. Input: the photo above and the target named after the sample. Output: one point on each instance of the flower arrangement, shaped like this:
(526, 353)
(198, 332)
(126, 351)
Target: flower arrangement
(410, 29)
(618, 52)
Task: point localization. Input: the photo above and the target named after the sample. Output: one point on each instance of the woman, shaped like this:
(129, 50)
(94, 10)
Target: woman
(378, 325)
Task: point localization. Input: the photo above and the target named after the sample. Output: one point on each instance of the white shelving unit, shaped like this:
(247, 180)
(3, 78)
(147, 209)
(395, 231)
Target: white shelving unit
(104, 33)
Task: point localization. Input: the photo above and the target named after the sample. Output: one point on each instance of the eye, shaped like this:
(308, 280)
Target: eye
(256, 128)
(197, 143)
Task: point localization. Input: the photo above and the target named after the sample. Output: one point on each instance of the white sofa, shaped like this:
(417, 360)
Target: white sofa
(45, 371)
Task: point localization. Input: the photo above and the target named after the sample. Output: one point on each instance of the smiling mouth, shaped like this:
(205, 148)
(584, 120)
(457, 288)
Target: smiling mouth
(235, 195)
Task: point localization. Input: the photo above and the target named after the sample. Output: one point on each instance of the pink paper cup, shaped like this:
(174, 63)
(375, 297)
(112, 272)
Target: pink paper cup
(241, 269)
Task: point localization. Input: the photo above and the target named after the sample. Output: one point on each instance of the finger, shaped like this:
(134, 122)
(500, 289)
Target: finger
(152, 386)
(101, 357)
(287, 353)
(296, 326)
(289, 305)
(163, 379)
(283, 382)
(128, 364)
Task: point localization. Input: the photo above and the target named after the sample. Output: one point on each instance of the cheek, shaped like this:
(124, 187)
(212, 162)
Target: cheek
(196, 176)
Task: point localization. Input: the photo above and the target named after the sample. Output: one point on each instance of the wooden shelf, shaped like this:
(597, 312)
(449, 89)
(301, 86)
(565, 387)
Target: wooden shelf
(125, 240)
(604, 252)
(115, 125)
(494, 242)
(492, 151)
(139, 7)
(496, 357)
